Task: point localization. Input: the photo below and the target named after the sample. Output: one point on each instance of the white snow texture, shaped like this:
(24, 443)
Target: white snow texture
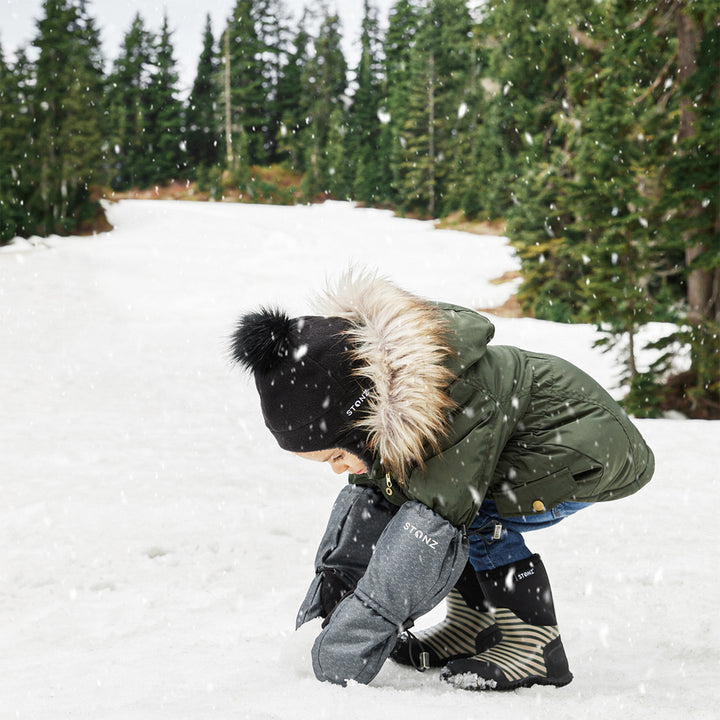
(155, 544)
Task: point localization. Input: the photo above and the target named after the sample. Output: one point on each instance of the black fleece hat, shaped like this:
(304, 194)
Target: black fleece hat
(304, 373)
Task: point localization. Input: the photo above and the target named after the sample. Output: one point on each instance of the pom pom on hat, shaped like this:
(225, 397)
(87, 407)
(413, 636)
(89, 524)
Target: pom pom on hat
(262, 340)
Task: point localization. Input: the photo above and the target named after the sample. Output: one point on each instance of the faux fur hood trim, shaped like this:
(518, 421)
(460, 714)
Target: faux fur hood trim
(401, 343)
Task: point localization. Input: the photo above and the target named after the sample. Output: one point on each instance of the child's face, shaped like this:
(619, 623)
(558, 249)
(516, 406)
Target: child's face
(340, 460)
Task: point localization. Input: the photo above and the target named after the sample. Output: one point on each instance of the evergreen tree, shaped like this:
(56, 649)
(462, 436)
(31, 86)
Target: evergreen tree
(418, 154)
(363, 122)
(601, 200)
(15, 134)
(382, 161)
(537, 227)
(68, 139)
(252, 60)
(403, 24)
(292, 103)
(8, 110)
(339, 173)
(324, 83)
(464, 191)
(129, 84)
(275, 35)
(439, 71)
(241, 175)
(529, 48)
(539, 219)
(202, 116)
(163, 114)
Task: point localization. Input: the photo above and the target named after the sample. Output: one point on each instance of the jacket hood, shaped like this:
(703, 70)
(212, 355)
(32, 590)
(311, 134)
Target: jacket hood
(401, 344)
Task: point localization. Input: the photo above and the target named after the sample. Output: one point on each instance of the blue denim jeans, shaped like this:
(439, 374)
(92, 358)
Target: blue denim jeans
(497, 541)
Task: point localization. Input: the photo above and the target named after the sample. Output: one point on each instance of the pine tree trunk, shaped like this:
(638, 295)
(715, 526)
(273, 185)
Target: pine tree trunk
(700, 294)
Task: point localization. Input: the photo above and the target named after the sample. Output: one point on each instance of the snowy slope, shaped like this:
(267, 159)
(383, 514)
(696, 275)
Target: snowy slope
(155, 545)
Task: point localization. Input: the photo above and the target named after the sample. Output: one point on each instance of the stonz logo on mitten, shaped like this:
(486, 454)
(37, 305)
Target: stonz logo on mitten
(420, 535)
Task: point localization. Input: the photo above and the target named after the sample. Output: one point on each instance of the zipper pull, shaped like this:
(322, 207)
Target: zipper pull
(388, 484)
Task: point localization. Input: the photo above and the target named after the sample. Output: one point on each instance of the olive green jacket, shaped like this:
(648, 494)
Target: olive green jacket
(524, 429)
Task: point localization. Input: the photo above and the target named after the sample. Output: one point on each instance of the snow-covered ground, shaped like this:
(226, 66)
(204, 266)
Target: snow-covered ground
(155, 544)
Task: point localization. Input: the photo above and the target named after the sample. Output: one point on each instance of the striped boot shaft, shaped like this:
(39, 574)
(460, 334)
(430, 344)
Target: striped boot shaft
(455, 636)
(519, 653)
(462, 633)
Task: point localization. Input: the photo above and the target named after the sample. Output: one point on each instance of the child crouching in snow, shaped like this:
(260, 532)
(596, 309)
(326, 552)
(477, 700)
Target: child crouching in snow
(455, 449)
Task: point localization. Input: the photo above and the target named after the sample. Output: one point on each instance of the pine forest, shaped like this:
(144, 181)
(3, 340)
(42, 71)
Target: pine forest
(587, 130)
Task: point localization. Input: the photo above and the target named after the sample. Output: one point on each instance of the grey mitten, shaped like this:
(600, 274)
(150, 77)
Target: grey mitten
(418, 559)
(357, 519)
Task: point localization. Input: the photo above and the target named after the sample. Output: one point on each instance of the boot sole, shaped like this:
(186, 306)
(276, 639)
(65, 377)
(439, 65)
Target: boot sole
(471, 681)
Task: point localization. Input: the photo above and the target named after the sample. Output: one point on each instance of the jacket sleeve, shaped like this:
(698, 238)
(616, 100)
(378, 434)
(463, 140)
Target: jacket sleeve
(417, 561)
(358, 516)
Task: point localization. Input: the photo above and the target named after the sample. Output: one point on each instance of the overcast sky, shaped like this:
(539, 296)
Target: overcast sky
(187, 18)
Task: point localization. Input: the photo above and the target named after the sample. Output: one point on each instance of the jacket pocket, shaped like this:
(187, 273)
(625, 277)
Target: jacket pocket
(535, 497)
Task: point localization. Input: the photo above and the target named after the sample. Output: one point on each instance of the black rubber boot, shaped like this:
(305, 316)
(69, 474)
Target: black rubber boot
(530, 651)
(468, 629)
